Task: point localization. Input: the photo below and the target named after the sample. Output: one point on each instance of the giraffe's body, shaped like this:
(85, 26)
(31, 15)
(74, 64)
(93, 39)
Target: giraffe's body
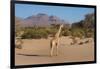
(55, 41)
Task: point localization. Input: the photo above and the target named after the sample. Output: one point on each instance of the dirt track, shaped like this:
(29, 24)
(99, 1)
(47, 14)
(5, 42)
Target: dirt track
(37, 51)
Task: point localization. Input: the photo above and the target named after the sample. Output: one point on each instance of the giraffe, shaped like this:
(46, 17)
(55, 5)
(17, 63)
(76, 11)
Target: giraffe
(18, 40)
(55, 41)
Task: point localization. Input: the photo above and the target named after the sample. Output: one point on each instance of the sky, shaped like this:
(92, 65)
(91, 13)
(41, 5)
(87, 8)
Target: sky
(69, 14)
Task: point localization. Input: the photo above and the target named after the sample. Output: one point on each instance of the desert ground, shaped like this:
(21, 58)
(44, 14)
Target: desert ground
(37, 51)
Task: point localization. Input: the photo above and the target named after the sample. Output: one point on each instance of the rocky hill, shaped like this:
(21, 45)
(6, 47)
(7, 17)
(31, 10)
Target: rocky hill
(39, 20)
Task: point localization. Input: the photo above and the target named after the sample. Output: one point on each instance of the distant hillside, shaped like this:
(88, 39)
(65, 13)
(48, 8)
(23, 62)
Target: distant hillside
(88, 22)
(18, 22)
(39, 20)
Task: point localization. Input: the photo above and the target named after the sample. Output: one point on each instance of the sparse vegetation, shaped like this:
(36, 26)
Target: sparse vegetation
(35, 33)
(81, 29)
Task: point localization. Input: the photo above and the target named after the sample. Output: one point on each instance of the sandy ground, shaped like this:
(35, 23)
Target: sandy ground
(37, 51)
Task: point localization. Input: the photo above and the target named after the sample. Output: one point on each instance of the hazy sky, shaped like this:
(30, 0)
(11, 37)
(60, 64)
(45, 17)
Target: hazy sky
(69, 14)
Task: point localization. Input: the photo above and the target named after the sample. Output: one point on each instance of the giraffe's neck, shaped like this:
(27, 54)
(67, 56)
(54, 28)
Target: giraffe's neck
(58, 33)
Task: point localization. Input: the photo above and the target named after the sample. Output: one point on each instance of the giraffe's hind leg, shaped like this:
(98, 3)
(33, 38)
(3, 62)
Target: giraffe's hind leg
(57, 49)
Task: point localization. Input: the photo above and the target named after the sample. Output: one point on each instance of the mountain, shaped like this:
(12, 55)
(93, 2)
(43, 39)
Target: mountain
(19, 22)
(40, 19)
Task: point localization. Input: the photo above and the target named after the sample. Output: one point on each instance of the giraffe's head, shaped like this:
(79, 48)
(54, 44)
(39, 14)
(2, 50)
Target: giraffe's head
(61, 25)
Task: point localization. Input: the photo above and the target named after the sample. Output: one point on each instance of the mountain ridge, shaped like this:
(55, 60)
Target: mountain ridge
(40, 19)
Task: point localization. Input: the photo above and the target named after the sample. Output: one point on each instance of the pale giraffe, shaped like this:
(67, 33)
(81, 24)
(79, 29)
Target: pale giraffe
(55, 41)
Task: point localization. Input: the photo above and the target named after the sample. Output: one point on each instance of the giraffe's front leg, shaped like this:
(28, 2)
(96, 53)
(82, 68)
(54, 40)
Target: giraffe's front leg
(51, 52)
(52, 48)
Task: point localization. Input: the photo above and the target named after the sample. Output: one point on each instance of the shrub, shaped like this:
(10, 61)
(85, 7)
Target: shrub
(89, 33)
(77, 32)
(42, 33)
(35, 34)
(28, 34)
(66, 33)
(51, 31)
